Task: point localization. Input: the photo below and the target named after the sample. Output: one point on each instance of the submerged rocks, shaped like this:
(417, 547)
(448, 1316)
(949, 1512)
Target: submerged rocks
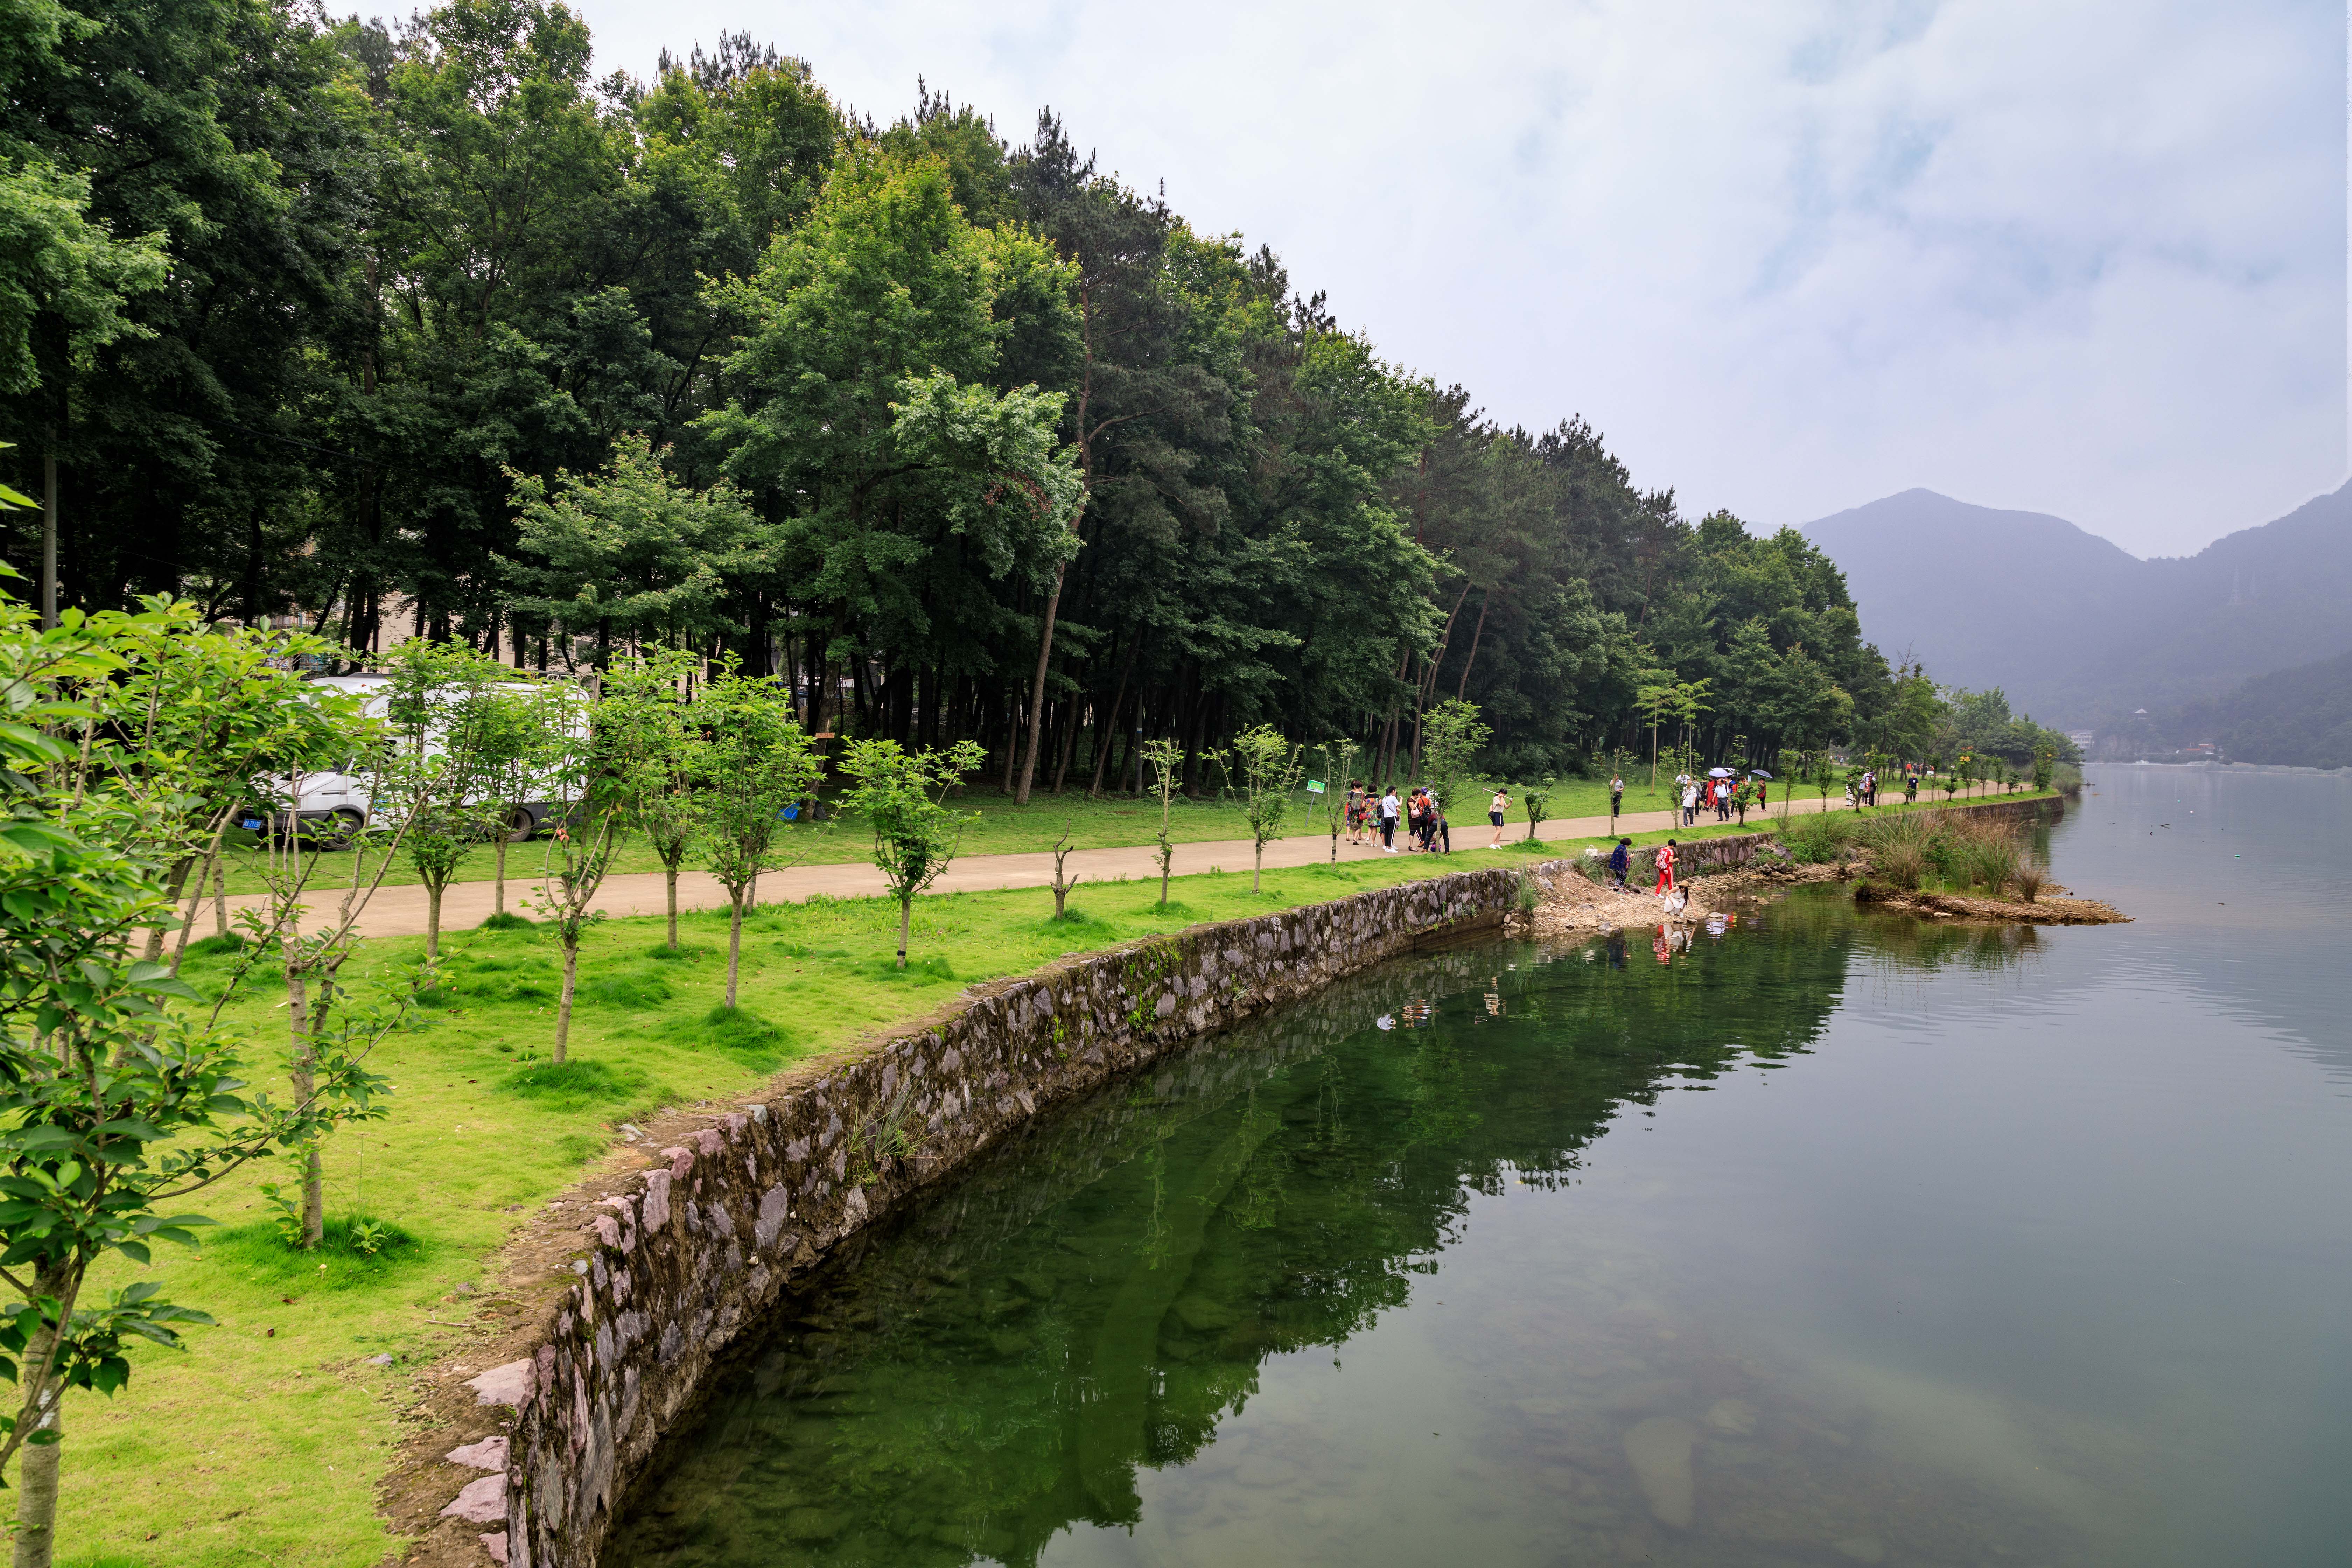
(1734, 1417)
(1659, 1449)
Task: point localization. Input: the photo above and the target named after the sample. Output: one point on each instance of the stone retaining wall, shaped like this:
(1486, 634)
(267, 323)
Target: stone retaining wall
(672, 1270)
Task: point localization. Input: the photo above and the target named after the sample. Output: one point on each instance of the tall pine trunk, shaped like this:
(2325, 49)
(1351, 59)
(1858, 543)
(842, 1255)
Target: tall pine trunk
(1037, 688)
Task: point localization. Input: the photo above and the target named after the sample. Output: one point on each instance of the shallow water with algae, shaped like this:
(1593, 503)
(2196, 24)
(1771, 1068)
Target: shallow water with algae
(1814, 1238)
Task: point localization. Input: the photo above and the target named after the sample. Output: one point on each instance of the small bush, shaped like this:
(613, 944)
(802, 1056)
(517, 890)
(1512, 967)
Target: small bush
(573, 1085)
(687, 952)
(214, 946)
(2029, 876)
(257, 1252)
(1903, 863)
(625, 988)
(917, 970)
(736, 1032)
(1816, 837)
(507, 923)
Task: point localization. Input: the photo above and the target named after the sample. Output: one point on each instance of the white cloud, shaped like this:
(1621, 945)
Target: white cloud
(2083, 258)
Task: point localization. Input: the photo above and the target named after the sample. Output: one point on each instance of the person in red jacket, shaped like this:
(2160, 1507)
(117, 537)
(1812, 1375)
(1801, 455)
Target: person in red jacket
(1666, 857)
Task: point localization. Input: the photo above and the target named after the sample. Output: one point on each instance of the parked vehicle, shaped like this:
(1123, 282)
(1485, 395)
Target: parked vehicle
(331, 807)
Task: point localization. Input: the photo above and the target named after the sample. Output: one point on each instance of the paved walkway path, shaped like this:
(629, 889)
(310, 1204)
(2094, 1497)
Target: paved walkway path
(401, 911)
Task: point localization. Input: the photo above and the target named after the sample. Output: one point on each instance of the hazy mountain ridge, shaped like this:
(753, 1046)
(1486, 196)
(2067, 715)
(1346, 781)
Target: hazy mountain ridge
(2078, 631)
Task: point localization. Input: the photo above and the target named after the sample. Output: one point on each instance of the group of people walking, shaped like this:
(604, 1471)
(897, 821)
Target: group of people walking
(1720, 793)
(1379, 813)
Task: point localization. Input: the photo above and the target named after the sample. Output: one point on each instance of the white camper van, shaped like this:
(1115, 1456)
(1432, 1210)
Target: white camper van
(334, 807)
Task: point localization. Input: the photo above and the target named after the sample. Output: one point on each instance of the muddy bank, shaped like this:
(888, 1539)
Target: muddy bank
(2047, 909)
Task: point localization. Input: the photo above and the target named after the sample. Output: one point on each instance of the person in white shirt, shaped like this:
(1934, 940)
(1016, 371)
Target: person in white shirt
(1389, 820)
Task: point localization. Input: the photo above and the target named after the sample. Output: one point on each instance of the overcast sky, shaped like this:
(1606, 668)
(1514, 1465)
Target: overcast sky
(2083, 257)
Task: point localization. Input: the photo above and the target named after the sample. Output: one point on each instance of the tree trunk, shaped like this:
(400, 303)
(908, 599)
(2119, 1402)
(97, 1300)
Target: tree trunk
(1107, 737)
(433, 920)
(906, 924)
(734, 940)
(499, 904)
(1037, 688)
(571, 985)
(220, 895)
(1257, 863)
(37, 1471)
(1462, 692)
(305, 1053)
(670, 874)
(1069, 745)
(1012, 739)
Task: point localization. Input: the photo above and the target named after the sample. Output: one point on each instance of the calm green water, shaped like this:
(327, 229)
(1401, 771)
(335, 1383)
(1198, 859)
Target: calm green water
(1825, 1240)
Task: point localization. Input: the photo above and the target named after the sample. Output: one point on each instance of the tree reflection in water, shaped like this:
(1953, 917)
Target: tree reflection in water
(1095, 1297)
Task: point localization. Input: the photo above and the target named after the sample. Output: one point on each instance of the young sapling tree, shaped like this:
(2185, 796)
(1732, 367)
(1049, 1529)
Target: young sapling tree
(753, 759)
(114, 1104)
(518, 736)
(1063, 882)
(642, 713)
(902, 796)
(593, 798)
(1454, 738)
(1269, 768)
(1537, 800)
(1165, 757)
(439, 775)
(1338, 756)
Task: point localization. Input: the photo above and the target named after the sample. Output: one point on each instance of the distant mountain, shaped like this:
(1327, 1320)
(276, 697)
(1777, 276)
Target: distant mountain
(2076, 630)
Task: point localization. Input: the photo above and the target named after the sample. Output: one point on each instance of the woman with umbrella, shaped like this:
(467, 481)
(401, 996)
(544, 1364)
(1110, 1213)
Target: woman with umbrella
(1763, 787)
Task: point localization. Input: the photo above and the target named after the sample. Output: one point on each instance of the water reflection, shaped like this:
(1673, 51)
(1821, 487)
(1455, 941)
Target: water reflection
(1094, 1303)
(1352, 1285)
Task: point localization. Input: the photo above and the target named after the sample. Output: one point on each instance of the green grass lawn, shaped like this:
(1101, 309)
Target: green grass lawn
(263, 1443)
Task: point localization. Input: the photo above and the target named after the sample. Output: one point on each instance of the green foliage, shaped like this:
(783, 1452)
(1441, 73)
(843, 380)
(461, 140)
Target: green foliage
(749, 759)
(903, 798)
(1535, 799)
(1452, 736)
(628, 555)
(121, 1096)
(1269, 769)
(1165, 758)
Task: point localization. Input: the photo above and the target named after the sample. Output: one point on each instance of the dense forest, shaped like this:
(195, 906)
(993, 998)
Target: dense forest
(424, 329)
(2292, 717)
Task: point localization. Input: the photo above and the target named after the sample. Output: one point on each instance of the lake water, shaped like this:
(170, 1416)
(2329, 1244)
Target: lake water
(1828, 1239)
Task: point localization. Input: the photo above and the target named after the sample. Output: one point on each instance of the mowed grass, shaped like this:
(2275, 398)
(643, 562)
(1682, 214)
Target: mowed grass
(263, 1444)
(1003, 828)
